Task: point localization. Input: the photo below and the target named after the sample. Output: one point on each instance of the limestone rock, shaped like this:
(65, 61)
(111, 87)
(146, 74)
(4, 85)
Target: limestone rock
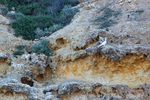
(4, 21)
(121, 60)
(78, 68)
(76, 90)
(3, 56)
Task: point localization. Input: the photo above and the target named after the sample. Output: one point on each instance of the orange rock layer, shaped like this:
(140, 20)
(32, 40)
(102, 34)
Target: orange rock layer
(131, 69)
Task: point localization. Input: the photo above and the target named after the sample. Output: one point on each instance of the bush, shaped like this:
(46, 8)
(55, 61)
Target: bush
(42, 47)
(67, 14)
(107, 14)
(70, 2)
(47, 15)
(39, 33)
(58, 4)
(11, 3)
(26, 26)
(137, 11)
(105, 20)
(55, 6)
(107, 24)
(54, 28)
(47, 31)
(16, 3)
(19, 51)
(15, 16)
(20, 47)
(4, 10)
(31, 9)
(44, 91)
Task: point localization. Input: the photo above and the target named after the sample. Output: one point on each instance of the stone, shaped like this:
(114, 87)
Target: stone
(78, 69)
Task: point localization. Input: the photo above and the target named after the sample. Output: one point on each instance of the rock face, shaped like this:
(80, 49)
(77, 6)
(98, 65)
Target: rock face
(7, 40)
(82, 68)
(96, 91)
(125, 57)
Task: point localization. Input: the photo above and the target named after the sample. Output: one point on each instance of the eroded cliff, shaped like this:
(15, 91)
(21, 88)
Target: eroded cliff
(80, 68)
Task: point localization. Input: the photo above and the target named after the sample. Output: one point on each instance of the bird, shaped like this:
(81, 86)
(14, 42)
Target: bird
(103, 43)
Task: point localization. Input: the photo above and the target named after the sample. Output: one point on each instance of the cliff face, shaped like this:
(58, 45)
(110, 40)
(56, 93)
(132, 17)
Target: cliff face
(79, 68)
(125, 57)
(7, 40)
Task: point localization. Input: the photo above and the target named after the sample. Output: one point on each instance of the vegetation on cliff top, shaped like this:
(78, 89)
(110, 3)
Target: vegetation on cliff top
(39, 14)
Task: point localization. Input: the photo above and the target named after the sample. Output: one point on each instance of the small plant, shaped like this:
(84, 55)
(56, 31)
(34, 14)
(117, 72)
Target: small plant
(15, 16)
(19, 51)
(107, 29)
(137, 11)
(44, 91)
(116, 14)
(39, 33)
(54, 28)
(105, 20)
(135, 15)
(107, 24)
(20, 47)
(3, 75)
(42, 47)
(4, 10)
(47, 31)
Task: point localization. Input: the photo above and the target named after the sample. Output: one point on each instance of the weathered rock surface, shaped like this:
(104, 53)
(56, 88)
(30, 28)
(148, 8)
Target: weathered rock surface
(96, 91)
(73, 91)
(125, 57)
(7, 40)
(119, 70)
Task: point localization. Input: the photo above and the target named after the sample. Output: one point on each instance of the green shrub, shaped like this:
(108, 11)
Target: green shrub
(47, 15)
(31, 9)
(3, 75)
(107, 13)
(11, 3)
(42, 47)
(70, 2)
(4, 10)
(39, 33)
(137, 11)
(116, 14)
(47, 31)
(44, 91)
(19, 51)
(20, 47)
(105, 20)
(16, 3)
(107, 24)
(15, 16)
(26, 26)
(67, 14)
(54, 28)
